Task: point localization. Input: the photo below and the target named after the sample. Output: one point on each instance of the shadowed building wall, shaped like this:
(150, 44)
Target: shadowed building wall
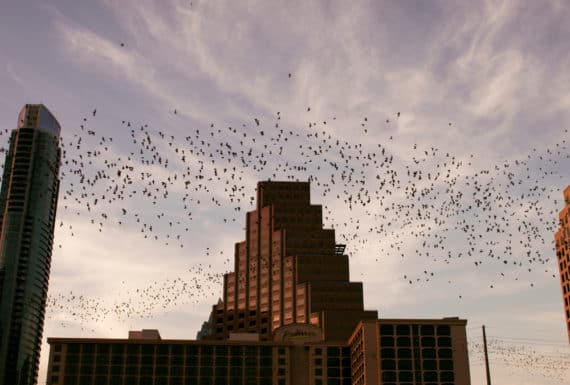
(28, 201)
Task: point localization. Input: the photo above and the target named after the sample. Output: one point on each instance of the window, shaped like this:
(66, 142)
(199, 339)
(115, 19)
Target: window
(404, 353)
(405, 364)
(444, 341)
(443, 330)
(445, 353)
(404, 341)
(402, 330)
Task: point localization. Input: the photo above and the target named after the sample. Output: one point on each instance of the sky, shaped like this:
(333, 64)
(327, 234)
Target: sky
(434, 134)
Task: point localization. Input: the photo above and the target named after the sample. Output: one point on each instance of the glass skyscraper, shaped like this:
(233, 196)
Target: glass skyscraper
(28, 200)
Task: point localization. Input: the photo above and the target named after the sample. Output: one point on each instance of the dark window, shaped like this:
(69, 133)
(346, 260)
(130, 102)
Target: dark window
(235, 350)
(444, 341)
(116, 370)
(388, 364)
(265, 372)
(133, 349)
(333, 352)
(177, 350)
(236, 371)
(221, 371)
(147, 349)
(445, 365)
(250, 372)
(406, 376)
(333, 361)
(251, 351)
(207, 350)
(388, 353)
(221, 350)
(429, 365)
(404, 353)
(386, 330)
(206, 371)
(333, 372)
(146, 371)
(132, 360)
(147, 360)
(404, 341)
(386, 341)
(191, 350)
(388, 376)
(116, 360)
(427, 330)
(405, 364)
(430, 376)
(446, 376)
(443, 330)
(402, 330)
(162, 350)
(444, 353)
(191, 372)
(428, 341)
(428, 353)
(86, 370)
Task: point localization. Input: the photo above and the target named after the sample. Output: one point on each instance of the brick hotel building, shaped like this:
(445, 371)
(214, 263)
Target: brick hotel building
(289, 316)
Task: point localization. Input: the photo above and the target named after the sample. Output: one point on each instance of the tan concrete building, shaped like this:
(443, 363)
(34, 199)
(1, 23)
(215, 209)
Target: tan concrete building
(562, 239)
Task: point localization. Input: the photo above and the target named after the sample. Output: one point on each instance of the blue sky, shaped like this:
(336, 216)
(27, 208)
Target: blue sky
(480, 86)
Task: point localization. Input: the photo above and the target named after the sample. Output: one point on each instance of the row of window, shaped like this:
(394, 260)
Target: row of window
(426, 376)
(407, 341)
(164, 350)
(133, 380)
(424, 330)
(428, 353)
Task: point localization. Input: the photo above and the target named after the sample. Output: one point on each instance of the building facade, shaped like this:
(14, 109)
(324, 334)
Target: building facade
(562, 239)
(410, 351)
(379, 352)
(289, 269)
(28, 200)
(297, 357)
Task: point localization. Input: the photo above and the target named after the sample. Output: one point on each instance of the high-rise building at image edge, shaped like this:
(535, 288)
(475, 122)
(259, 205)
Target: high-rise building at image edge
(289, 315)
(562, 242)
(28, 200)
